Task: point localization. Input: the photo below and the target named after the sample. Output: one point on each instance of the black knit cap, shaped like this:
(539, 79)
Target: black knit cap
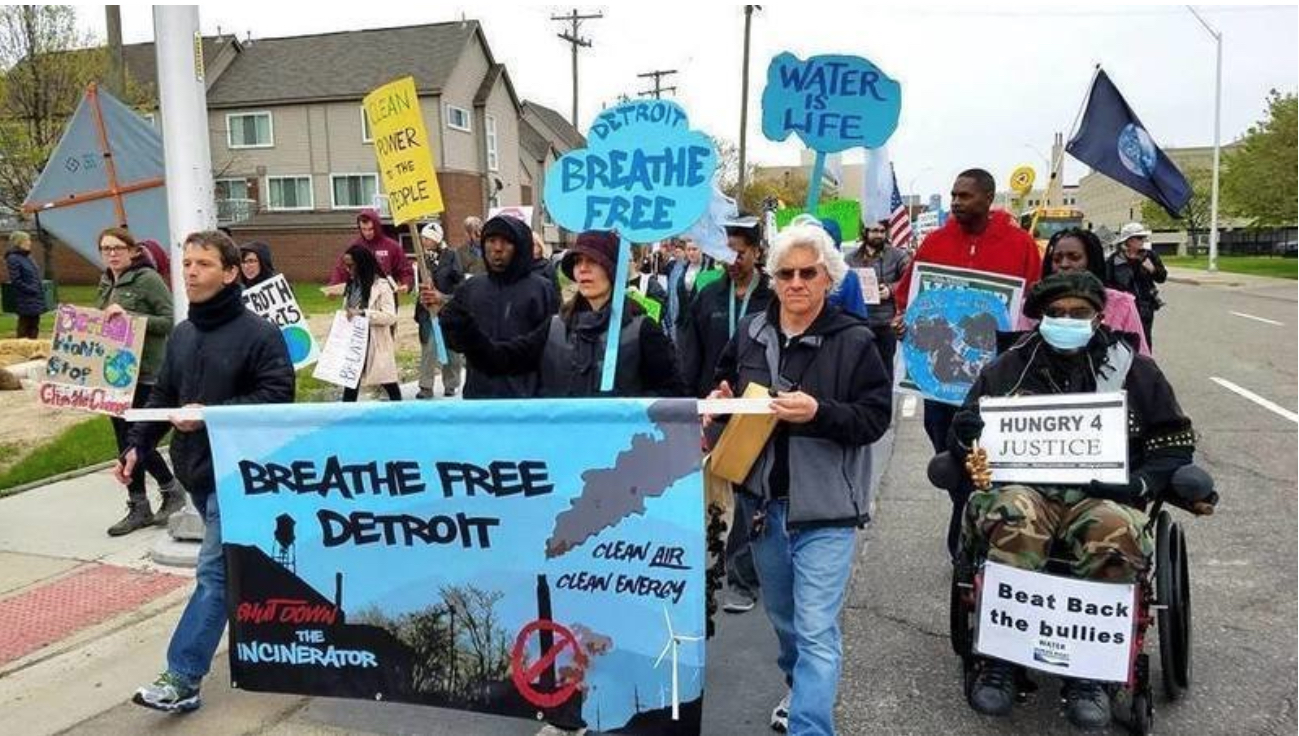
(1083, 285)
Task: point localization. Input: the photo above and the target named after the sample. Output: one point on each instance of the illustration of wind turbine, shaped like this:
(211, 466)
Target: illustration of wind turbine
(673, 643)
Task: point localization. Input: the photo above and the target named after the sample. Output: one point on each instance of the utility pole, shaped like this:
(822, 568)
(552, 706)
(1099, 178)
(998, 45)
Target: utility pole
(658, 76)
(744, 99)
(575, 40)
(1217, 142)
(116, 82)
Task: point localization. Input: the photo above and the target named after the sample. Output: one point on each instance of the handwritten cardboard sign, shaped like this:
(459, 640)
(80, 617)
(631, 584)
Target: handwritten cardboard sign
(273, 300)
(94, 362)
(831, 102)
(404, 150)
(343, 360)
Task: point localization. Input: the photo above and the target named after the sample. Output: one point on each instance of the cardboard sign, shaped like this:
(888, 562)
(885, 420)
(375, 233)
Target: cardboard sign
(273, 300)
(870, 284)
(343, 360)
(1059, 625)
(830, 102)
(1060, 439)
(644, 174)
(94, 362)
(404, 150)
(952, 319)
(439, 555)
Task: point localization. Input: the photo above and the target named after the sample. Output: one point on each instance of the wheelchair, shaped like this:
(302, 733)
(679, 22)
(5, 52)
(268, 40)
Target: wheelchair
(1163, 597)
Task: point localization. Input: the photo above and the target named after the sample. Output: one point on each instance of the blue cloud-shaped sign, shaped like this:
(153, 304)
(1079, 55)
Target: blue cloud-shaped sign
(645, 174)
(831, 102)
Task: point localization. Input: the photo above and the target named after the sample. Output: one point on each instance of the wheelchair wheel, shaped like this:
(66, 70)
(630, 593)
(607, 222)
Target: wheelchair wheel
(960, 616)
(1173, 595)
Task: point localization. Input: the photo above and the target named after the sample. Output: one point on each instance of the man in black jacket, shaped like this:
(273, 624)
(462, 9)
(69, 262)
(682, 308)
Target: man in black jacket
(1136, 269)
(510, 301)
(222, 355)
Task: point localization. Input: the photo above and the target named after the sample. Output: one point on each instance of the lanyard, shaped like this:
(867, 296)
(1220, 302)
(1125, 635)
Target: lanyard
(744, 308)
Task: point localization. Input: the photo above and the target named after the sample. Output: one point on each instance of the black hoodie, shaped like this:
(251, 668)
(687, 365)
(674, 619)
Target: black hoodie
(263, 253)
(504, 305)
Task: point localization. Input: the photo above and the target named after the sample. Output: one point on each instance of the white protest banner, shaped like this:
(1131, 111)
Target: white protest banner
(94, 362)
(273, 301)
(870, 284)
(1064, 626)
(1059, 439)
(343, 359)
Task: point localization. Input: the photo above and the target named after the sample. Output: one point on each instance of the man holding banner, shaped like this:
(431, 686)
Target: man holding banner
(253, 367)
(978, 238)
(1099, 523)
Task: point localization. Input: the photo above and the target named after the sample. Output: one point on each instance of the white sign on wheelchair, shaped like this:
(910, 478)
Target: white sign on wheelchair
(1057, 439)
(1058, 625)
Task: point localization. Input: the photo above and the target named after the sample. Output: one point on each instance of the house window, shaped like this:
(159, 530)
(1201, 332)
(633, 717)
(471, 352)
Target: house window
(366, 135)
(493, 160)
(231, 189)
(353, 191)
(458, 119)
(250, 130)
(289, 192)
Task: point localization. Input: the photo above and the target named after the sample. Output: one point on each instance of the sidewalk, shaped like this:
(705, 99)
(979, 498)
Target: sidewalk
(1201, 277)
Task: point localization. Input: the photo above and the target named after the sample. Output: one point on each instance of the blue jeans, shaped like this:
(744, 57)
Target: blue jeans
(803, 575)
(198, 633)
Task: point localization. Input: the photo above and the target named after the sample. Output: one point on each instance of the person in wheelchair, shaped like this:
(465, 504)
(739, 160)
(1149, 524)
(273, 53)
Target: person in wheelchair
(1097, 526)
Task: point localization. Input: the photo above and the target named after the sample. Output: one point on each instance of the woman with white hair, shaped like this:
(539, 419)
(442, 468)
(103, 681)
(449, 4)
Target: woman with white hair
(807, 493)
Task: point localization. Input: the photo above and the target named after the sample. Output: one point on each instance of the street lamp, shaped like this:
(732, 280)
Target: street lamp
(1217, 141)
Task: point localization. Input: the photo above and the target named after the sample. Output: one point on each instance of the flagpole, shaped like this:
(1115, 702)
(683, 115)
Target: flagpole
(1217, 142)
(1073, 128)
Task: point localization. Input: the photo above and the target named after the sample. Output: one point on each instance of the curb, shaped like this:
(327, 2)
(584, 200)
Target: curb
(66, 475)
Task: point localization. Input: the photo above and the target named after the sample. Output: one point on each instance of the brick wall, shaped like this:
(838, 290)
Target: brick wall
(462, 195)
(302, 255)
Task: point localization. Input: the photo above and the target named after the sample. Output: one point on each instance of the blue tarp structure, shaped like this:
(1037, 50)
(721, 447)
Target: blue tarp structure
(106, 171)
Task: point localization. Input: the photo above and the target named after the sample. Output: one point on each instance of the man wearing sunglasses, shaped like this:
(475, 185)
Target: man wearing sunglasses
(889, 264)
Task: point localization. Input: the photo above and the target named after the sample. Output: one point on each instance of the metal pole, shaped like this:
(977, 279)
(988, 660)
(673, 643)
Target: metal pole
(183, 107)
(744, 104)
(1217, 142)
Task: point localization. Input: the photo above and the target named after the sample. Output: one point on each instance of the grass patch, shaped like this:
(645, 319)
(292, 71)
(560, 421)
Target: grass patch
(1281, 268)
(313, 302)
(78, 446)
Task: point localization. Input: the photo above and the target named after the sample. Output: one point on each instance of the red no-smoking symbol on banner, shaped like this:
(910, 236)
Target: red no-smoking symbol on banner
(524, 677)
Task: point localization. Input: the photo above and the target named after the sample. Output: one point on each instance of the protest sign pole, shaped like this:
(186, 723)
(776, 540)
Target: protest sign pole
(425, 277)
(614, 333)
(814, 183)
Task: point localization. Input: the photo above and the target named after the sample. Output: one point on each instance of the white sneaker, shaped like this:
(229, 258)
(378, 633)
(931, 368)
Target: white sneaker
(550, 730)
(738, 603)
(780, 715)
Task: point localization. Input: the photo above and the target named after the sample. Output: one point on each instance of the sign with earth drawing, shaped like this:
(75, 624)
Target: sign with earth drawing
(94, 362)
(440, 555)
(273, 300)
(952, 319)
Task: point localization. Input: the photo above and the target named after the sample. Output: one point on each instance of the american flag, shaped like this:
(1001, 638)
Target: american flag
(899, 219)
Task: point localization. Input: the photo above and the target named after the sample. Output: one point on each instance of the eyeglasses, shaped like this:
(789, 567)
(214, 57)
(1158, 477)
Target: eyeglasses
(879, 230)
(251, 261)
(806, 273)
(109, 250)
(1075, 313)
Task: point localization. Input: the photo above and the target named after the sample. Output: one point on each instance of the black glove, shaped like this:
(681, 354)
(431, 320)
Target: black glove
(967, 426)
(1136, 490)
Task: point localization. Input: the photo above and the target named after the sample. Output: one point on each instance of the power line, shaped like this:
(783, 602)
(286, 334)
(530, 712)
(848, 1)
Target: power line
(658, 76)
(573, 37)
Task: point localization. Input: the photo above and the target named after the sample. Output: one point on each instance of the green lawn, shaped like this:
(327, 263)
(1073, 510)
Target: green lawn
(1282, 268)
(79, 295)
(78, 446)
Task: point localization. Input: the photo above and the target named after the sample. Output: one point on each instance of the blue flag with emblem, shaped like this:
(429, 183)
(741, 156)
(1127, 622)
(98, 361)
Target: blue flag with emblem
(1113, 141)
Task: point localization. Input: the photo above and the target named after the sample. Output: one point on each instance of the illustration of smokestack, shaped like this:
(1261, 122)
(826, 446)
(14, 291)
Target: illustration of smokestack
(338, 595)
(547, 684)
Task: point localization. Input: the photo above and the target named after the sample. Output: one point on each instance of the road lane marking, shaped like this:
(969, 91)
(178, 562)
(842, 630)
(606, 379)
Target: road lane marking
(909, 406)
(1275, 408)
(1258, 319)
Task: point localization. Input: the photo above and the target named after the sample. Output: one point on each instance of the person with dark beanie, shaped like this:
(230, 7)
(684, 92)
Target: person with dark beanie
(253, 368)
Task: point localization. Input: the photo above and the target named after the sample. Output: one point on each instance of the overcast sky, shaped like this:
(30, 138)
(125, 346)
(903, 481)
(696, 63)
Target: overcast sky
(981, 86)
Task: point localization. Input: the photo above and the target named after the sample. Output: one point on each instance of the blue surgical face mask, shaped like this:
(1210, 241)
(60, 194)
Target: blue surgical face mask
(1063, 333)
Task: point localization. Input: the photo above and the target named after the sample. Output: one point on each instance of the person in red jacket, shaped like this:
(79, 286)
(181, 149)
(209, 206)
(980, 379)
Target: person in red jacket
(982, 239)
(388, 252)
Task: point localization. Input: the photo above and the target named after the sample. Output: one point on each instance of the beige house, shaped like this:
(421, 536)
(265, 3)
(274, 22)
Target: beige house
(544, 136)
(292, 155)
